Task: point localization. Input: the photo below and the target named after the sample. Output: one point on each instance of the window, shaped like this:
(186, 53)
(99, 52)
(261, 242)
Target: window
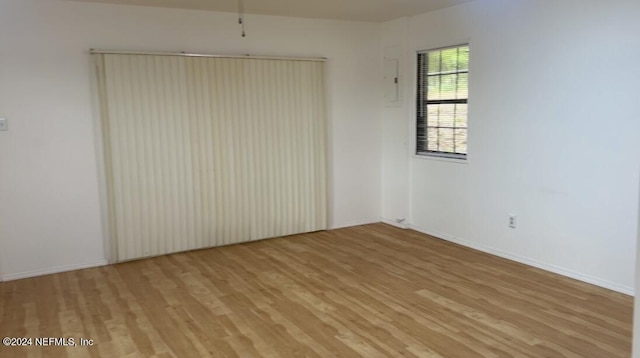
(443, 89)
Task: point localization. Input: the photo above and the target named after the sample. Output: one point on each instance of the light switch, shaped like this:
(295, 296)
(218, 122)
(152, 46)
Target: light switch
(4, 126)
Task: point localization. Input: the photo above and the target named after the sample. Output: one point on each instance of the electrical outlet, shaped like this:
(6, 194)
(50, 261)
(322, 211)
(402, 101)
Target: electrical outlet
(512, 221)
(3, 124)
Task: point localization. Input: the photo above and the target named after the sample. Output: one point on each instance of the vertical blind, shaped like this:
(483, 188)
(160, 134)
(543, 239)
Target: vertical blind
(203, 151)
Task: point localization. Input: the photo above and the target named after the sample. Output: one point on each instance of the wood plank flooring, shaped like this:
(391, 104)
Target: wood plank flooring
(368, 291)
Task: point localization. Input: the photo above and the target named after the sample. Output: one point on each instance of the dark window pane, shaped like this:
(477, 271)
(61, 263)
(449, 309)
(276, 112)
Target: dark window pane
(449, 59)
(460, 117)
(445, 140)
(433, 90)
(462, 86)
(446, 116)
(433, 111)
(446, 87)
(463, 58)
(432, 139)
(434, 62)
(461, 141)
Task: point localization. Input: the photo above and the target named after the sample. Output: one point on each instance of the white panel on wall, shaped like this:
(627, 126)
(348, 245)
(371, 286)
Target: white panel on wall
(391, 90)
(205, 152)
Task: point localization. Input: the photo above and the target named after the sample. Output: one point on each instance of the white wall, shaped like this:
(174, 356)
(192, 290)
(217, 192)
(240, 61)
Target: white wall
(49, 197)
(396, 118)
(553, 137)
(636, 302)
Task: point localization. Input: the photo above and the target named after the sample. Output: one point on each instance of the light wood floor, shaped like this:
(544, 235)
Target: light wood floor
(370, 291)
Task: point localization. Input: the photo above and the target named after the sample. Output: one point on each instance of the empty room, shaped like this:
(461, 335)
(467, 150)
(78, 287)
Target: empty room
(319, 178)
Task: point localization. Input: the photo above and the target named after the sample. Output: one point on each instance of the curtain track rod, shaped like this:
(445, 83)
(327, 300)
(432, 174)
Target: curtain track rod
(185, 54)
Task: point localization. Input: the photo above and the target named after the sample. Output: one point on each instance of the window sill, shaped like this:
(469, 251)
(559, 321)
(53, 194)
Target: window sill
(442, 159)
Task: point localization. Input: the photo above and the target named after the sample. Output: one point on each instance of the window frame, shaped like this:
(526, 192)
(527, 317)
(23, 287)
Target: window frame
(426, 154)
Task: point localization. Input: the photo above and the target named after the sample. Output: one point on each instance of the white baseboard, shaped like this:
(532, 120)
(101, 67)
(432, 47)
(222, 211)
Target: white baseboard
(401, 225)
(356, 223)
(52, 270)
(527, 261)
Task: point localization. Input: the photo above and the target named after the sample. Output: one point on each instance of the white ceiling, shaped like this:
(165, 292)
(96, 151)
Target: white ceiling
(358, 10)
